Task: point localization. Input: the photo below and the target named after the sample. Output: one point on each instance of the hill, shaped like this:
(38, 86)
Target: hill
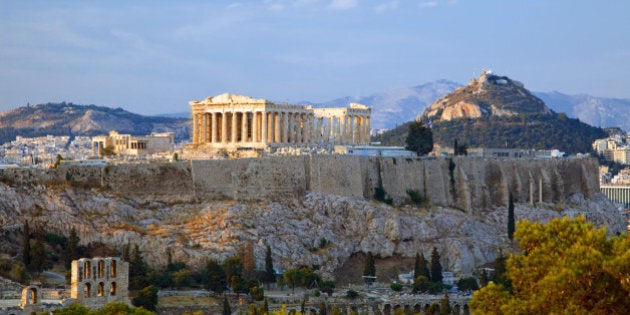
(495, 111)
(83, 120)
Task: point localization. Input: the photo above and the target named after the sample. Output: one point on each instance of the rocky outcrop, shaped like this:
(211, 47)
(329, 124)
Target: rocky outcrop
(487, 95)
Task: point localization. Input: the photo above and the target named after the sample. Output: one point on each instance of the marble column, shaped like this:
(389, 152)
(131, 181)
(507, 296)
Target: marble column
(213, 128)
(276, 122)
(285, 129)
(244, 117)
(263, 129)
(224, 130)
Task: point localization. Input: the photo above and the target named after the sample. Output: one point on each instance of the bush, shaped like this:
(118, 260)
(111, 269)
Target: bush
(469, 283)
(352, 294)
(415, 196)
(396, 286)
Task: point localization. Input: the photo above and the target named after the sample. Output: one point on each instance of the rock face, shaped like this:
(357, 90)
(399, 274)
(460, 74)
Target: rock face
(485, 96)
(210, 208)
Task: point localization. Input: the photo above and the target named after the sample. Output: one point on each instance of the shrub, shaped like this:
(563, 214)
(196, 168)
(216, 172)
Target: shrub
(396, 286)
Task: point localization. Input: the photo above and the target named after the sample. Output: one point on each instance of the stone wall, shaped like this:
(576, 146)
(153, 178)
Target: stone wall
(465, 183)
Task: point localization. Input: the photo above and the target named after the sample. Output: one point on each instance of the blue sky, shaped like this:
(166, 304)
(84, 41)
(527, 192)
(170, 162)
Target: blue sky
(154, 56)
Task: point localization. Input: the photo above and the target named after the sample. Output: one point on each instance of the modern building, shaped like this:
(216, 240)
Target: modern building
(235, 122)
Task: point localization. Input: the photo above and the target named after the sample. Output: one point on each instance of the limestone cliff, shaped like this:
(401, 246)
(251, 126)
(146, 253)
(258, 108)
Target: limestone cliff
(209, 208)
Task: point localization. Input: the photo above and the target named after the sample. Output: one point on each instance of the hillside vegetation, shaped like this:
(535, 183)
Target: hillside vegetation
(67, 119)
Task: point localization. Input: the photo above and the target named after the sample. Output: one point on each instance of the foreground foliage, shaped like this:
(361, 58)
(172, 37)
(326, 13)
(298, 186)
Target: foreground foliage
(109, 309)
(567, 267)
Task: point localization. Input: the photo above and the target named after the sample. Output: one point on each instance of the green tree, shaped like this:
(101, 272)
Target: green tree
(420, 266)
(436, 267)
(270, 274)
(292, 277)
(215, 279)
(146, 298)
(26, 245)
(73, 309)
(510, 220)
(445, 305)
(567, 266)
(138, 269)
(227, 310)
(72, 246)
(39, 256)
(419, 138)
(369, 269)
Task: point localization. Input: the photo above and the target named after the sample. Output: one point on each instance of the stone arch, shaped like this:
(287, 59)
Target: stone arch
(100, 289)
(88, 289)
(466, 310)
(101, 268)
(456, 309)
(112, 288)
(417, 308)
(113, 268)
(34, 298)
(387, 309)
(86, 268)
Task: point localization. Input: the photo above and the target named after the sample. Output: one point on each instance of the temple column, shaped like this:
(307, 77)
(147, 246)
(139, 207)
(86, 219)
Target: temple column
(342, 129)
(367, 129)
(224, 138)
(244, 117)
(263, 130)
(299, 127)
(276, 123)
(233, 128)
(213, 129)
(255, 128)
(285, 129)
(359, 127)
(195, 128)
(320, 130)
(290, 135)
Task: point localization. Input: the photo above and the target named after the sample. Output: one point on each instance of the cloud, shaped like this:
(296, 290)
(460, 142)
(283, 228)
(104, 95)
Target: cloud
(387, 6)
(428, 4)
(343, 4)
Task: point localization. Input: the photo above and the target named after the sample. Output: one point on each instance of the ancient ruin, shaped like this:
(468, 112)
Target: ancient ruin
(98, 281)
(236, 122)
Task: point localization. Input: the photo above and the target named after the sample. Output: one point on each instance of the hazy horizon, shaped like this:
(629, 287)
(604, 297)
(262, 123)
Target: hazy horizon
(152, 57)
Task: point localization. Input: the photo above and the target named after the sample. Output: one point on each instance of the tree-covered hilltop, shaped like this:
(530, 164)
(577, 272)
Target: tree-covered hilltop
(536, 131)
(67, 119)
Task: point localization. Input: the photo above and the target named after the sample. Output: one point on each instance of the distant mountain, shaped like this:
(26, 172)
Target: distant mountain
(84, 120)
(495, 111)
(394, 107)
(596, 111)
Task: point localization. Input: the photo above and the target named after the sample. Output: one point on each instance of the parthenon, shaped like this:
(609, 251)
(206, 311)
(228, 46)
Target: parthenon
(234, 121)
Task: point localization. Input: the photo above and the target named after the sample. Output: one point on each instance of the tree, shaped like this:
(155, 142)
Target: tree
(249, 261)
(227, 310)
(138, 269)
(420, 266)
(445, 305)
(419, 138)
(39, 257)
(510, 221)
(270, 274)
(292, 277)
(436, 267)
(567, 266)
(369, 270)
(72, 246)
(146, 298)
(26, 245)
(215, 279)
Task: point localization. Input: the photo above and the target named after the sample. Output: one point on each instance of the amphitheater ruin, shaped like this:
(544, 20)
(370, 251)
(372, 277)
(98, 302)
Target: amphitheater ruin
(241, 122)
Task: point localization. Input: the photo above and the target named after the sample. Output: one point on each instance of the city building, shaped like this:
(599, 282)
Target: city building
(235, 122)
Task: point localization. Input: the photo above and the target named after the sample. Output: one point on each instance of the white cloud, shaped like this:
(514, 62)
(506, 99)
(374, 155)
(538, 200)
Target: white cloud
(428, 4)
(235, 5)
(343, 4)
(387, 6)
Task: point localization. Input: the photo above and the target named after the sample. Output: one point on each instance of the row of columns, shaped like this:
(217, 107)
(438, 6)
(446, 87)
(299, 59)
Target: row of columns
(278, 127)
(618, 194)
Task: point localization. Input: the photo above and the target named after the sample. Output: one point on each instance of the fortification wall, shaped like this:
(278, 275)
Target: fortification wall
(462, 182)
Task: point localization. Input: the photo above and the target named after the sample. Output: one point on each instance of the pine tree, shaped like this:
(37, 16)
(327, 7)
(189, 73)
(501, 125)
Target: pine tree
(26, 246)
(510, 221)
(419, 138)
(215, 276)
(424, 267)
(436, 267)
(270, 275)
(369, 270)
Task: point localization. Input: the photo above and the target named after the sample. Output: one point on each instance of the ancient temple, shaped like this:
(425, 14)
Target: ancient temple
(234, 121)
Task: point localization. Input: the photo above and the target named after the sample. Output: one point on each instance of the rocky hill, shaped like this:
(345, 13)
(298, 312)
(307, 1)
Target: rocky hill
(202, 209)
(497, 112)
(64, 119)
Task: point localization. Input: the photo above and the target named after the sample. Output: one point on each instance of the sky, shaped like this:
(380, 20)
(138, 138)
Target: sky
(152, 57)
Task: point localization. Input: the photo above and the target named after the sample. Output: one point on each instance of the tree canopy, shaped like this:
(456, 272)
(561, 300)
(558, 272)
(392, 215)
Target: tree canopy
(419, 138)
(566, 267)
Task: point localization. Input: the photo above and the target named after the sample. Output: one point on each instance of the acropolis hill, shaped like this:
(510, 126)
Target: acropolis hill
(204, 208)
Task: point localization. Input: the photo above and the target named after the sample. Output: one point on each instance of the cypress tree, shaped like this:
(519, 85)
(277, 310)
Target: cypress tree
(369, 270)
(445, 305)
(436, 267)
(72, 247)
(510, 222)
(227, 310)
(417, 270)
(26, 246)
(270, 275)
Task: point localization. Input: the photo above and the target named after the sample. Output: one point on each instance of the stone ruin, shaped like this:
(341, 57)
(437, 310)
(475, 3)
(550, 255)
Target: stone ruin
(98, 281)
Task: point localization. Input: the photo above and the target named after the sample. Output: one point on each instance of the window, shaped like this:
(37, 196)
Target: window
(101, 269)
(88, 287)
(113, 268)
(112, 288)
(87, 270)
(101, 287)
